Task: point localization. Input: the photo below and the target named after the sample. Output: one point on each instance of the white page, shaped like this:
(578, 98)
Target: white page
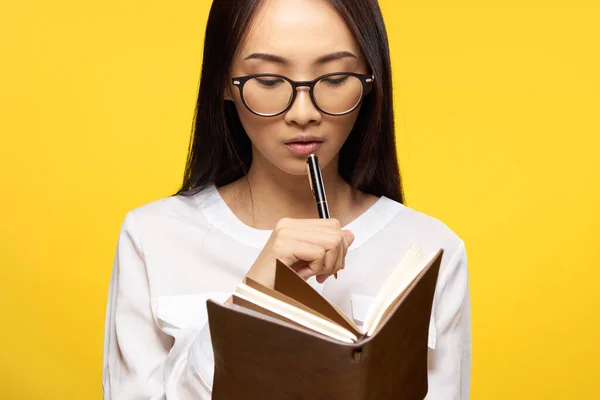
(396, 279)
(295, 314)
(408, 277)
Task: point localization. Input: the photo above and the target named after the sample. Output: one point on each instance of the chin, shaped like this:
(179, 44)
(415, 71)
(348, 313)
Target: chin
(296, 165)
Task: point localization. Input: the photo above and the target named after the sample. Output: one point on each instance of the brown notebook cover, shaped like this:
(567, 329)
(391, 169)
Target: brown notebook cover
(260, 357)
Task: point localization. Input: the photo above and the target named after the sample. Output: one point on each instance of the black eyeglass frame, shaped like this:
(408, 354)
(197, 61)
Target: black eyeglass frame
(366, 81)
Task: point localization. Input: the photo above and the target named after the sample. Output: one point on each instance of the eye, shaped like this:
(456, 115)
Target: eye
(269, 82)
(335, 80)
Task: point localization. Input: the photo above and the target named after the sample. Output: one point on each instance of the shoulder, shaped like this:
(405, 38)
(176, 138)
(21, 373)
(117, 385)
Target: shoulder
(163, 209)
(425, 230)
(160, 217)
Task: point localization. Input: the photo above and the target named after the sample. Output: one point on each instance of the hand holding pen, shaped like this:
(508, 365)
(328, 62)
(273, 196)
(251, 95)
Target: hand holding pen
(310, 246)
(318, 189)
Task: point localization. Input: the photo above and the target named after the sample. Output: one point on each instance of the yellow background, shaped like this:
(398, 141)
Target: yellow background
(497, 114)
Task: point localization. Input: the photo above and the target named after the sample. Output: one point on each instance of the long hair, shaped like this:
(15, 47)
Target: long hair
(220, 152)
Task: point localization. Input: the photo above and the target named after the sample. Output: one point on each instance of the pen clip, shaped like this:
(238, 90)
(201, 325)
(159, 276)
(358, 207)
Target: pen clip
(310, 180)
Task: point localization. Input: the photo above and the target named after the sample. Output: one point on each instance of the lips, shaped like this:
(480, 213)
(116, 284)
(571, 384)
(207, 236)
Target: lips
(304, 139)
(304, 144)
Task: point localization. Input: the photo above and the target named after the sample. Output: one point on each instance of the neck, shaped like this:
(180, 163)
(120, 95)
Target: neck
(269, 194)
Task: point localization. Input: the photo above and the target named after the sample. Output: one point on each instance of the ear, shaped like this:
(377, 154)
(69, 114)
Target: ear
(227, 95)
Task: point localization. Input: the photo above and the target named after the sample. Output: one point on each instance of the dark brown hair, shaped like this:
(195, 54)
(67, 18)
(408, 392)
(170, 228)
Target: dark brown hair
(220, 152)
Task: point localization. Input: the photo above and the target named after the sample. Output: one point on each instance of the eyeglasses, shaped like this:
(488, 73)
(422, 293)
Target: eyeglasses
(269, 95)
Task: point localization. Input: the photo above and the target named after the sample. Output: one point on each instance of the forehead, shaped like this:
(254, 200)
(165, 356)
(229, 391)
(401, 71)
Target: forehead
(298, 30)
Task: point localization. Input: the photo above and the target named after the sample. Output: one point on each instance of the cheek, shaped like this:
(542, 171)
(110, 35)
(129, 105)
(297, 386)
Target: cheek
(347, 121)
(257, 128)
(342, 126)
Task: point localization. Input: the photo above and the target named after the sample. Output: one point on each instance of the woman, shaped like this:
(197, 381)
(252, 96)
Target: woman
(245, 199)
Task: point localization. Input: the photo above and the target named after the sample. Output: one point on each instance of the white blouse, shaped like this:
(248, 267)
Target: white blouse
(174, 254)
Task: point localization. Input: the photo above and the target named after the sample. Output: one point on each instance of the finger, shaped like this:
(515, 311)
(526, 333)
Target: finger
(339, 262)
(305, 272)
(291, 251)
(322, 278)
(302, 269)
(299, 223)
(312, 234)
(331, 243)
(341, 255)
(348, 239)
(313, 255)
(330, 261)
(349, 236)
(334, 258)
(326, 260)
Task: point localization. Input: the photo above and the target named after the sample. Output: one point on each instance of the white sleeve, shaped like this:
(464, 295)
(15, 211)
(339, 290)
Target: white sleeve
(449, 364)
(141, 361)
(135, 349)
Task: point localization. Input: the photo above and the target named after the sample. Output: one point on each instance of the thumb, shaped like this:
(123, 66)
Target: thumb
(349, 236)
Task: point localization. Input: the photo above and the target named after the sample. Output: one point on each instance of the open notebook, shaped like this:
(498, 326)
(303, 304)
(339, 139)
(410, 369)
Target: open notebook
(296, 302)
(268, 338)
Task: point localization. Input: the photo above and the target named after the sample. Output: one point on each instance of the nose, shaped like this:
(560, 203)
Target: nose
(303, 111)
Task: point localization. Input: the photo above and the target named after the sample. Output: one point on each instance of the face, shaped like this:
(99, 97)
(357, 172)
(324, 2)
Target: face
(302, 40)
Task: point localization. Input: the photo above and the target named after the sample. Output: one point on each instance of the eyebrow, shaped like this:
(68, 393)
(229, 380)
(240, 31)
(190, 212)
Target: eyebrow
(280, 60)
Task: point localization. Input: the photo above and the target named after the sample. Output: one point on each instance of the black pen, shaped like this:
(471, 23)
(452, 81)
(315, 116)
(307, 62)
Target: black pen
(318, 189)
